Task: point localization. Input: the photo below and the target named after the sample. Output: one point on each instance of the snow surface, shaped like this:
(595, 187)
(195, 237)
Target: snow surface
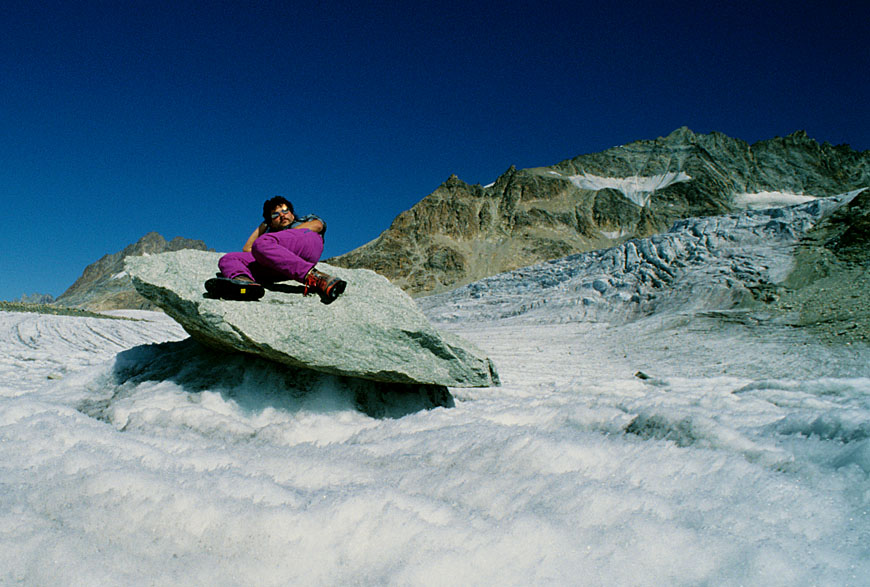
(676, 445)
(637, 188)
(615, 234)
(761, 200)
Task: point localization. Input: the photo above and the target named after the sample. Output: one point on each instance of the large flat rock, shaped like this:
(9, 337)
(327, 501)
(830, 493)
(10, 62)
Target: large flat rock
(373, 331)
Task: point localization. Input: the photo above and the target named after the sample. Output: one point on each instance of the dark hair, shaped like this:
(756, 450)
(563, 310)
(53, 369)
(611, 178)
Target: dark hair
(273, 203)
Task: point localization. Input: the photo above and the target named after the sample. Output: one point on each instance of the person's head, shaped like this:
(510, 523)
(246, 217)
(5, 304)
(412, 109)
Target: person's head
(282, 207)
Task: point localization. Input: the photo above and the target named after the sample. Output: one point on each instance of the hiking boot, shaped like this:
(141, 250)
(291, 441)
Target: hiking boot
(327, 286)
(241, 289)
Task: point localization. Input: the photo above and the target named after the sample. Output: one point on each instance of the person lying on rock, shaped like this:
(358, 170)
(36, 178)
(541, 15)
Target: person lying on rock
(282, 247)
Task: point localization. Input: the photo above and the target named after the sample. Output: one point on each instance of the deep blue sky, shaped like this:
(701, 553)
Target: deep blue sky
(121, 118)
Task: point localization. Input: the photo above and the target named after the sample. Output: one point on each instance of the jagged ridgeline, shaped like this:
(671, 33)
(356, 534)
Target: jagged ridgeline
(461, 233)
(104, 285)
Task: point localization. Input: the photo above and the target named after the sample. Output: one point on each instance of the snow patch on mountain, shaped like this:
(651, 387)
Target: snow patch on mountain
(761, 200)
(616, 234)
(637, 188)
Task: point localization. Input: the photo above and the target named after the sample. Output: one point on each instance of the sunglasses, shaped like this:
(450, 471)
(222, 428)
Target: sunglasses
(281, 212)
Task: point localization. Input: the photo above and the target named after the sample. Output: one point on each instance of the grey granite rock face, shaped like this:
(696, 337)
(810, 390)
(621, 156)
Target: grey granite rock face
(373, 331)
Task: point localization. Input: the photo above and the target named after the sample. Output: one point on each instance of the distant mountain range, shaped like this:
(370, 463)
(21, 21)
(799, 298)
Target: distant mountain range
(105, 286)
(461, 233)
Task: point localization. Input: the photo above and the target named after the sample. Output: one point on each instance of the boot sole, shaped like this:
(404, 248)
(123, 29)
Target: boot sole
(337, 289)
(231, 289)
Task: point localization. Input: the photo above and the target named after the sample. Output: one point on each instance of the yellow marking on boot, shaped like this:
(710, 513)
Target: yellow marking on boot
(243, 291)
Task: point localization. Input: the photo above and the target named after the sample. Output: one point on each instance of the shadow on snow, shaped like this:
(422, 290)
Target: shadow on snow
(255, 384)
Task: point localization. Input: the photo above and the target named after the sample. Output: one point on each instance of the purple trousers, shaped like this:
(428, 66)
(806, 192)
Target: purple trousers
(276, 256)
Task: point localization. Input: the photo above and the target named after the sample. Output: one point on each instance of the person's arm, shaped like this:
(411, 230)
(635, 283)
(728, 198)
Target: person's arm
(258, 232)
(315, 225)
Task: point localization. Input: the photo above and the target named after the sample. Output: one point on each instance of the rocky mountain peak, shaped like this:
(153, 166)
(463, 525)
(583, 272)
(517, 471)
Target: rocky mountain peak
(461, 233)
(453, 181)
(681, 135)
(104, 285)
(800, 136)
